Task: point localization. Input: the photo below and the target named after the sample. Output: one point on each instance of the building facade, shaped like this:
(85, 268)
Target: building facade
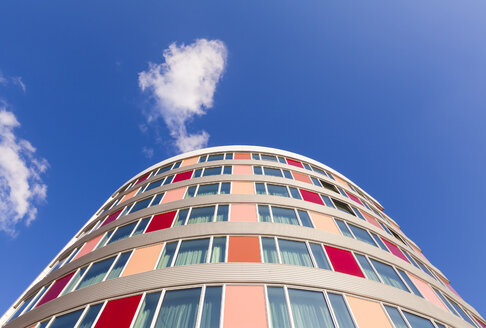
(241, 236)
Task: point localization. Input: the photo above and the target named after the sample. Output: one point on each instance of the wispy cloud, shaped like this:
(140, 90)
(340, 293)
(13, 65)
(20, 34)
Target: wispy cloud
(15, 80)
(21, 186)
(183, 87)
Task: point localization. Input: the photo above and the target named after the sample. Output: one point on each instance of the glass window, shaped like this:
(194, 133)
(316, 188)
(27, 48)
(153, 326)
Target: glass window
(260, 189)
(255, 157)
(257, 170)
(307, 166)
(67, 320)
(90, 316)
(264, 213)
(277, 307)
(192, 252)
(358, 213)
(362, 235)
(367, 268)
(197, 173)
(309, 309)
(154, 185)
(327, 201)
(409, 282)
(417, 322)
(122, 232)
(410, 259)
(282, 160)
(157, 199)
(305, 219)
(225, 188)
(218, 251)
(294, 252)
(104, 239)
(179, 309)
(272, 172)
(276, 190)
(202, 159)
(141, 205)
(212, 171)
(295, 193)
(191, 192)
(164, 169)
(222, 215)
(284, 215)
(167, 255)
(141, 226)
(228, 170)
(315, 182)
(379, 242)
(44, 324)
(181, 217)
(445, 302)
(218, 157)
(269, 250)
(341, 310)
(343, 207)
(344, 228)
(342, 192)
(96, 273)
(287, 174)
(74, 281)
(176, 165)
(147, 310)
(119, 265)
(269, 158)
(330, 175)
(460, 311)
(229, 156)
(201, 215)
(209, 189)
(320, 256)
(388, 275)
(396, 317)
(211, 311)
(168, 180)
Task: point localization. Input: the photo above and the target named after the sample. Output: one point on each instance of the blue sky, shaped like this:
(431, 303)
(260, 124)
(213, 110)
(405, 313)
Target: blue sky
(391, 94)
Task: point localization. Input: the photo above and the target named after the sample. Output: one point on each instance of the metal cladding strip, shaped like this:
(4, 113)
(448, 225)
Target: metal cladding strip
(201, 230)
(236, 273)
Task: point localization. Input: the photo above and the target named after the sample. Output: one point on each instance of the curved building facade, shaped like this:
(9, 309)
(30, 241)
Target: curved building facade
(241, 236)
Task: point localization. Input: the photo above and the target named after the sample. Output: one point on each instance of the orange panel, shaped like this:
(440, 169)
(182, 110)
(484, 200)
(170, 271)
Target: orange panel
(189, 161)
(242, 169)
(129, 195)
(243, 212)
(301, 177)
(242, 156)
(324, 222)
(247, 188)
(173, 195)
(244, 307)
(341, 181)
(427, 291)
(88, 247)
(143, 259)
(243, 249)
(368, 314)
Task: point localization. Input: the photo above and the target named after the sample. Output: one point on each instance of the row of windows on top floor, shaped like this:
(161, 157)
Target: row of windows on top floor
(237, 249)
(247, 156)
(232, 305)
(260, 188)
(248, 213)
(243, 169)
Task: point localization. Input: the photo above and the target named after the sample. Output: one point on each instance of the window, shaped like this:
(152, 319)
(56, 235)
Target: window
(319, 256)
(96, 273)
(295, 193)
(305, 219)
(379, 242)
(396, 317)
(343, 207)
(222, 214)
(192, 252)
(119, 265)
(74, 281)
(90, 316)
(327, 201)
(211, 311)
(141, 226)
(316, 182)
(140, 205)
(269, 250)
(264, 213)
(272, 172)
(344, 228)
(309, 309)
(122, 232)
(268, 158)
(329, 186)
(367, 268)
(284, 215)
(287, 174)
(218, 250)
(409, 282)
(341, 311)
(362, 235)
(210, 189)
(277, 306)
(388, 275)
(218, 157)
(282, 160)
(257, 170)
(167, 255)
(201, 215)
(147, 310)
(294, 252)
(276, 190)
(67, 320)
(179, 308)
(417, 322)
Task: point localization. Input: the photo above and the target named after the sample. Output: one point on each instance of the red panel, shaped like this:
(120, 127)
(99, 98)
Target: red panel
(111, 218)
(343, 261)
(353, 197)
(311, 197)
(395, 250)
(55, 289)
(142, 179)
(119, 313)
(161, 221)
(182, 176)
(294, 163)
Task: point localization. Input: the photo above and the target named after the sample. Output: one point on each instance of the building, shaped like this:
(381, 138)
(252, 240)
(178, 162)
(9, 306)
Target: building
(241, 236)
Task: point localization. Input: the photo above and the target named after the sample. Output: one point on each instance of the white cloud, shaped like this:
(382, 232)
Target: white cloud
(183, 87)
(15, 80)
(21, 186)
(148, 152)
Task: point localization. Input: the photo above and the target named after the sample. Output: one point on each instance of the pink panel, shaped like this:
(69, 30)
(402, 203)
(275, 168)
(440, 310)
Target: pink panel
(353, 197)
(395, 250)
(428, 292)
(311, 197)
(55, 289)
(294, 163)
(343, 261)
(161, 221)
(119, 313)
(182, 176)
(242, 169)
(301, 177)
(371, 220)
(88, 247)
(244, 307)
(142, 179)
(112, 217)
(173, 195)
(243, 212)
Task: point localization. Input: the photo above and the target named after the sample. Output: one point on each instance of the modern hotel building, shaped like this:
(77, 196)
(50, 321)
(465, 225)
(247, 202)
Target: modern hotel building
(241, 236)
